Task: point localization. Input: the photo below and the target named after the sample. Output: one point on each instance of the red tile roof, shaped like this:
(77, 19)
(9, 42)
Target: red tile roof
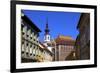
(67, 40)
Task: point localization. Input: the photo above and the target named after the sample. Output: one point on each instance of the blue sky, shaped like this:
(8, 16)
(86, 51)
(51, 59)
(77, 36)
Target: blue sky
(60, 23)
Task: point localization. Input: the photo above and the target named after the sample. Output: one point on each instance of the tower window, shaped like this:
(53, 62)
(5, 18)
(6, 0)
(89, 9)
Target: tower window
(48, 37)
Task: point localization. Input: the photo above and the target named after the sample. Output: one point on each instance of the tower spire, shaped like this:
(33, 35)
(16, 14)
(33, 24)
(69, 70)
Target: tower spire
(47, 39)
(47, 28)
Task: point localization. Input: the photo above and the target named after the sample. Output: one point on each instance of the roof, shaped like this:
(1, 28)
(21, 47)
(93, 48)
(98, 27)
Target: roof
(65, 37)
(64, 40)
(28, 21)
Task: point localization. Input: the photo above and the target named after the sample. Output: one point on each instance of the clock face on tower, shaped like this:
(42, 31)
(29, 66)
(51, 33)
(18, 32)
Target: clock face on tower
(47, 38)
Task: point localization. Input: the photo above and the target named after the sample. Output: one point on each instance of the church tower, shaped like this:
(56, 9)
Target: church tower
(47, 35)
(47, 39)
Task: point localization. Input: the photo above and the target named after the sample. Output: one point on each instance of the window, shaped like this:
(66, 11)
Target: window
(26, 53)
(22, 42)
(33, 51)
(30, 45)
(37, 42)
(33, 54)
(34, 47)
(27, 35)
(30, 51)
(22, 52)
(48, 37)
(30, 54)
(27, 44)
(31, 37)
(34, 39)
(27, 47)
(23, 47)
(23, 33)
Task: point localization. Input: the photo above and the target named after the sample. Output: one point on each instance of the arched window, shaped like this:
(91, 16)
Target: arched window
(48, 38)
